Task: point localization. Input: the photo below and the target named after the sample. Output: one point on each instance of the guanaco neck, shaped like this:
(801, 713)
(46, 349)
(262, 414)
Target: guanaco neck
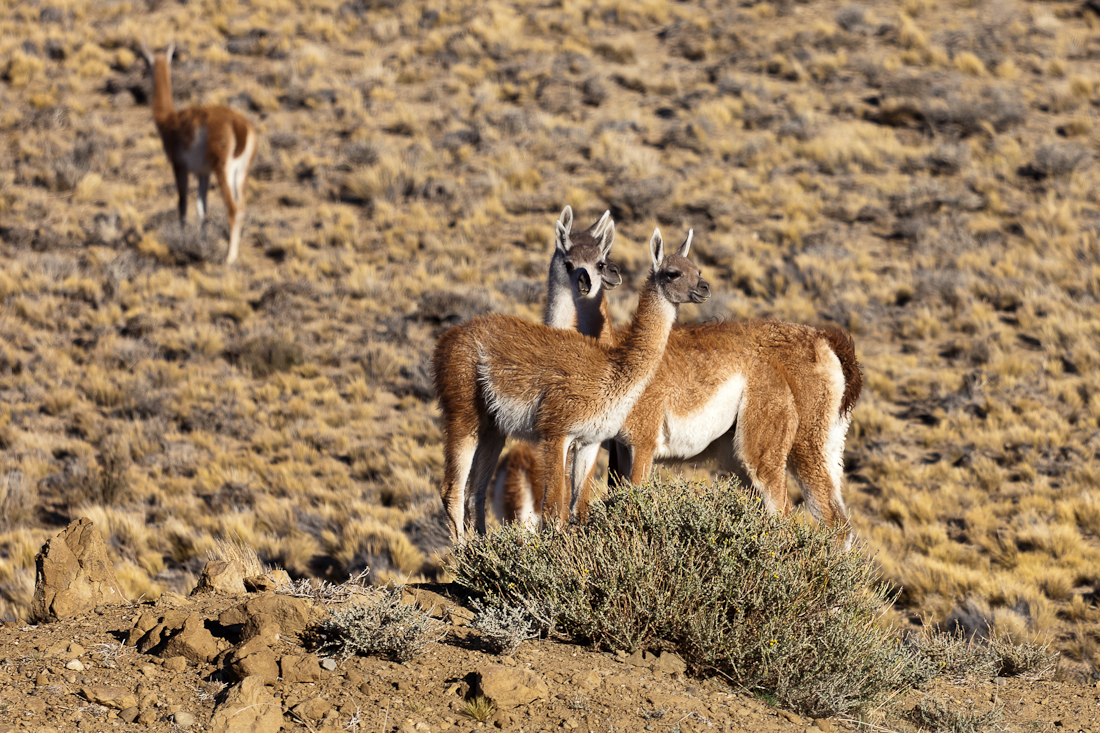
(164, 112)
(640, 349)
(594, 317)
(590, 316)
(561, 311)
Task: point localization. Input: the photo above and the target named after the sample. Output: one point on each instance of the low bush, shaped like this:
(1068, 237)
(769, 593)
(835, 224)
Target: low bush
(768, 603)
(940, 716)
(378, 626)
(955, 655)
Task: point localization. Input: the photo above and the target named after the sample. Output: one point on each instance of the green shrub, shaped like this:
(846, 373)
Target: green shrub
(379, 625)
(768, 603)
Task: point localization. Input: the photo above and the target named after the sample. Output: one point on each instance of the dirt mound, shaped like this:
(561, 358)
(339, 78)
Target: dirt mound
(225, 663)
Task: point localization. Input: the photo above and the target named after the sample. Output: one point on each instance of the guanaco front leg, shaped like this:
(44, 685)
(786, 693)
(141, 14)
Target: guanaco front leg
(584, 469)
(554, 456)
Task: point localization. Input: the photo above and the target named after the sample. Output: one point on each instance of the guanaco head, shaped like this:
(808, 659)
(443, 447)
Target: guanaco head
(151, 58)
(677, 277)
(582, 256)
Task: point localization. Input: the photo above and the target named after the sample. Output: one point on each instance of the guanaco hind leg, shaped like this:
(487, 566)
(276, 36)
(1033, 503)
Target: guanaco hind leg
(764, 450)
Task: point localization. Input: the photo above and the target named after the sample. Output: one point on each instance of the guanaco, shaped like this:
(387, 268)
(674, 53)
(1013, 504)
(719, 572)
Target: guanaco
(499, 376)
(576, 298)
(201, 141)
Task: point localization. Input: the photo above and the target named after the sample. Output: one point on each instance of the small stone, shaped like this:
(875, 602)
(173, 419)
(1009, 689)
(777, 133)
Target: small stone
(328, 663)
(354, 677)
(75, 649)
(570, 723)
(824, 724)
(176, 664)
(75, 665)
(314, 709)
(130, 714)
(792, 717)
(148, 716)
(183, 720)
(110, 697)
(41, 680)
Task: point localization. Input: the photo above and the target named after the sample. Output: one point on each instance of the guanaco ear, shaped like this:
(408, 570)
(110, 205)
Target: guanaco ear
(147, 54)
(656, 249)
(683, 251)
(607, 238)
(168, 52)
(596, 228)
(563, 227)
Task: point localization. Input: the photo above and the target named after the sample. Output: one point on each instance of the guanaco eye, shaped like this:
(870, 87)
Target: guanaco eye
(569, 267)
(599, 265)
(673, 276)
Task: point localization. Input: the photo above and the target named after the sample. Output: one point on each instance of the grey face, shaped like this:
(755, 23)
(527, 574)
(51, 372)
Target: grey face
(584, 255)
(588, 269)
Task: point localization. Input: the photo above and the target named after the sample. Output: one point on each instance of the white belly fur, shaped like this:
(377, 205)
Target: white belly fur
(685, 435)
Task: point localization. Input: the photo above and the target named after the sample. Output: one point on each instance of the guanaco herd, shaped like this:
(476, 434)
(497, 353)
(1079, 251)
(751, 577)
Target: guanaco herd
(760, 397)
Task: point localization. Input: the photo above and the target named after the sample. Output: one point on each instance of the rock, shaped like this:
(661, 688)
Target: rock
(147, 716)
(130, 714)
(261, 625)
(254, 658)
(292, 614)
(824, 725)
(792, 717)
(503, 719)
(641, 659)
(151, 629)
(299, 669)
(110, 697)
(313, 709)
(193, 642)
(248, 708)
(670, 663)
(73, 574)
(329, 664)
(221, 577)
(183, 720)
(267, 582)
(587, 680)
(176, 664)
(509, 688)
(75, 665)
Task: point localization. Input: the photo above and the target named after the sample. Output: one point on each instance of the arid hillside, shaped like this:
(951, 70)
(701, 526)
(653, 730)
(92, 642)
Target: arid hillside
(919, 172)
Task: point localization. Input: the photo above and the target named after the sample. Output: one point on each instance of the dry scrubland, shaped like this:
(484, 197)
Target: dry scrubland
(921, 173)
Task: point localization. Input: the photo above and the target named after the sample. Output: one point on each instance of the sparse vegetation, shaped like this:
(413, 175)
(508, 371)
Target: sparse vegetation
(378, 624)
(940, 716)
(703, 569)
(479, 708)
(503, 627)
(920, 173)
